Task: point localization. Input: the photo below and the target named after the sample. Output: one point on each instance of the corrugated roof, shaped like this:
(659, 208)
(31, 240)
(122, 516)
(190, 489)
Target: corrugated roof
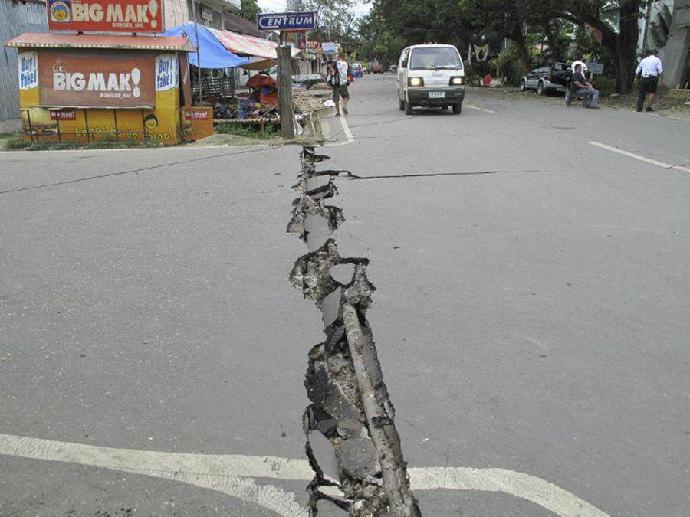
(51, 40)
(241, 25)
(244, 45)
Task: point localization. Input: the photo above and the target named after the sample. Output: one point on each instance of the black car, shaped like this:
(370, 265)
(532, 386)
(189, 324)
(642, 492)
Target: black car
(543, 79)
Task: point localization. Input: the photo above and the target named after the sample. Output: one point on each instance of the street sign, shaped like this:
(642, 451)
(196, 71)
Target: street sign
(329, 47)
(106, 15)
(286, 22)
(595, 68)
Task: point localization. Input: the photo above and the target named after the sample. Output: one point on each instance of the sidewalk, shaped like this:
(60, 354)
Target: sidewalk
(665, 106)
(334, 131)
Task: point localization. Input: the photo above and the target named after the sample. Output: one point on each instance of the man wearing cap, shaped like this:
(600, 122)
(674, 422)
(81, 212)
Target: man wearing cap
(647, 74)
(585, 88)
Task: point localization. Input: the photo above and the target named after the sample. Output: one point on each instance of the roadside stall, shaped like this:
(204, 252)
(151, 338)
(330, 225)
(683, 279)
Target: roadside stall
(93, 87)
(213, 78)
(259, 106)
(104, 72)
(211, 64)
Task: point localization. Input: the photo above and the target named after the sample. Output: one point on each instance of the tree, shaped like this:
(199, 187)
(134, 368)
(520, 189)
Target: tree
(405, 22)
(621, 43)
(335, 19)
(249, 9)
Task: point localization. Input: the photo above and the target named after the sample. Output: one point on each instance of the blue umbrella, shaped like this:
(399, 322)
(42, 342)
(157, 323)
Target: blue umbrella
(211, 51)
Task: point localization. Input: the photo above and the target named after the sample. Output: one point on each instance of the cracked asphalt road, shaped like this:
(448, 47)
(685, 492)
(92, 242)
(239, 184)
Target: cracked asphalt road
(535, 319)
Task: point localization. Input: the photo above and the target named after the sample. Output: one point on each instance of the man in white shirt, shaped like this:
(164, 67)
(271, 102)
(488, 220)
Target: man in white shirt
(343, 69)
(647, 74)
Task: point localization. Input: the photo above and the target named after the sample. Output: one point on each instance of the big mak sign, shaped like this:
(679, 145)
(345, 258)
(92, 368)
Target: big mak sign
(106, 15)
(103, 78)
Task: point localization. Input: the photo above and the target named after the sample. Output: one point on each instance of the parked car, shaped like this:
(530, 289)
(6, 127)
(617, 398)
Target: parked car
(376, 68)
(546, 79)
(393, 69)
(431, 76)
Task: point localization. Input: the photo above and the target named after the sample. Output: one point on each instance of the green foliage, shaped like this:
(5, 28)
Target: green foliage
(529, 24)
(509, 65)
(605, 85)
(249, 9)
(17, 143)
(249, 131)
(335, 20)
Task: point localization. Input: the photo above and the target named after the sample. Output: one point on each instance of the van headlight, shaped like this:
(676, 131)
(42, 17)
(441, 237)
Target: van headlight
(454, 81)
(415, 81)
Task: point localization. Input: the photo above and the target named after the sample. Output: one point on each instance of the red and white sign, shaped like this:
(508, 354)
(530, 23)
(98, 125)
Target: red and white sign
(63, 115)
(106, 15)
(194, 114)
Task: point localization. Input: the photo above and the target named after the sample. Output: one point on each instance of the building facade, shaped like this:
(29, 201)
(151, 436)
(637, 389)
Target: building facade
(17, 18)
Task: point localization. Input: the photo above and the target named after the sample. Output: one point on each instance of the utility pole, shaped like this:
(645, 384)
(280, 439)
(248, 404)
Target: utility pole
(287, 115)
(198, 50)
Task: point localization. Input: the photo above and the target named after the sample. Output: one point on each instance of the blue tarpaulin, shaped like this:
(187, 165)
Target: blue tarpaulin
(212, 53)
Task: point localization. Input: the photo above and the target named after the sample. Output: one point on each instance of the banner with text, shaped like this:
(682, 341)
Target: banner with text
(106, 15)
(97, 79)
(28, 70)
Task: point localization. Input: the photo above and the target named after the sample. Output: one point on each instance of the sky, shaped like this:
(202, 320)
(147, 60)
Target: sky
(362, 7)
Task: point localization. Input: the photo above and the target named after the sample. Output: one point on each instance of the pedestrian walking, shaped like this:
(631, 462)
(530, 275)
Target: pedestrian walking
(334, 83)
(647, 75)
(584, 87)
(343, 73)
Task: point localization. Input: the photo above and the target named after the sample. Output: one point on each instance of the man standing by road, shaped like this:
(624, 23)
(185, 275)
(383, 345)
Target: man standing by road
(343, 73)
(647, 74)
(334, 83)
(584, 87)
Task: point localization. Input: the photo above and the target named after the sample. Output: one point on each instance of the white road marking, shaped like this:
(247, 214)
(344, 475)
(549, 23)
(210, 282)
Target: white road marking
(473, 107)
(234, 475)
(346, 131)
(641, 158)
(524, 486)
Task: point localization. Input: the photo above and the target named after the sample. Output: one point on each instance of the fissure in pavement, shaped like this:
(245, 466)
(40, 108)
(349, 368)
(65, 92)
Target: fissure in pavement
(352, 443)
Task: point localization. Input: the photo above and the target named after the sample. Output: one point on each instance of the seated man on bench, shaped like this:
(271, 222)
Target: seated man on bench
(585, 88)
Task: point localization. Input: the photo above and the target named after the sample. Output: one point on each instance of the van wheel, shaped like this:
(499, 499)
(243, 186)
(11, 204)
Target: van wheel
(457, 108)
(401, 105)
(408, 108)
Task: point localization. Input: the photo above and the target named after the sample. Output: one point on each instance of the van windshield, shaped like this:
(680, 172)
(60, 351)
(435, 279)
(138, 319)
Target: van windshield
(434, 58)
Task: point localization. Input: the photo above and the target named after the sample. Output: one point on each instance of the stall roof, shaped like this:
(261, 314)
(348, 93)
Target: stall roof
(211, 52)
(50, 40)
(248, 45)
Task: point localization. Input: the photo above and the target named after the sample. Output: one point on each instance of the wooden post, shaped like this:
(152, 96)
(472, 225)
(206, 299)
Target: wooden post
(287, 115)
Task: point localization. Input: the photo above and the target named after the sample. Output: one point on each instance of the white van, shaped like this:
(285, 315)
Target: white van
(431, 75)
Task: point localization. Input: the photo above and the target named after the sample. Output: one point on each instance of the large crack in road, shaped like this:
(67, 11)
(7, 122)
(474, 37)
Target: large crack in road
(352, 442)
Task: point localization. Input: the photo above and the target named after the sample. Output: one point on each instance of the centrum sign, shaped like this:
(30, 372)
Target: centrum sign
(106, 15)
(286, 22)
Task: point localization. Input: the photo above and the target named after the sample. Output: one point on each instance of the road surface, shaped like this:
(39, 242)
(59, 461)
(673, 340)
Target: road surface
(532, 312)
